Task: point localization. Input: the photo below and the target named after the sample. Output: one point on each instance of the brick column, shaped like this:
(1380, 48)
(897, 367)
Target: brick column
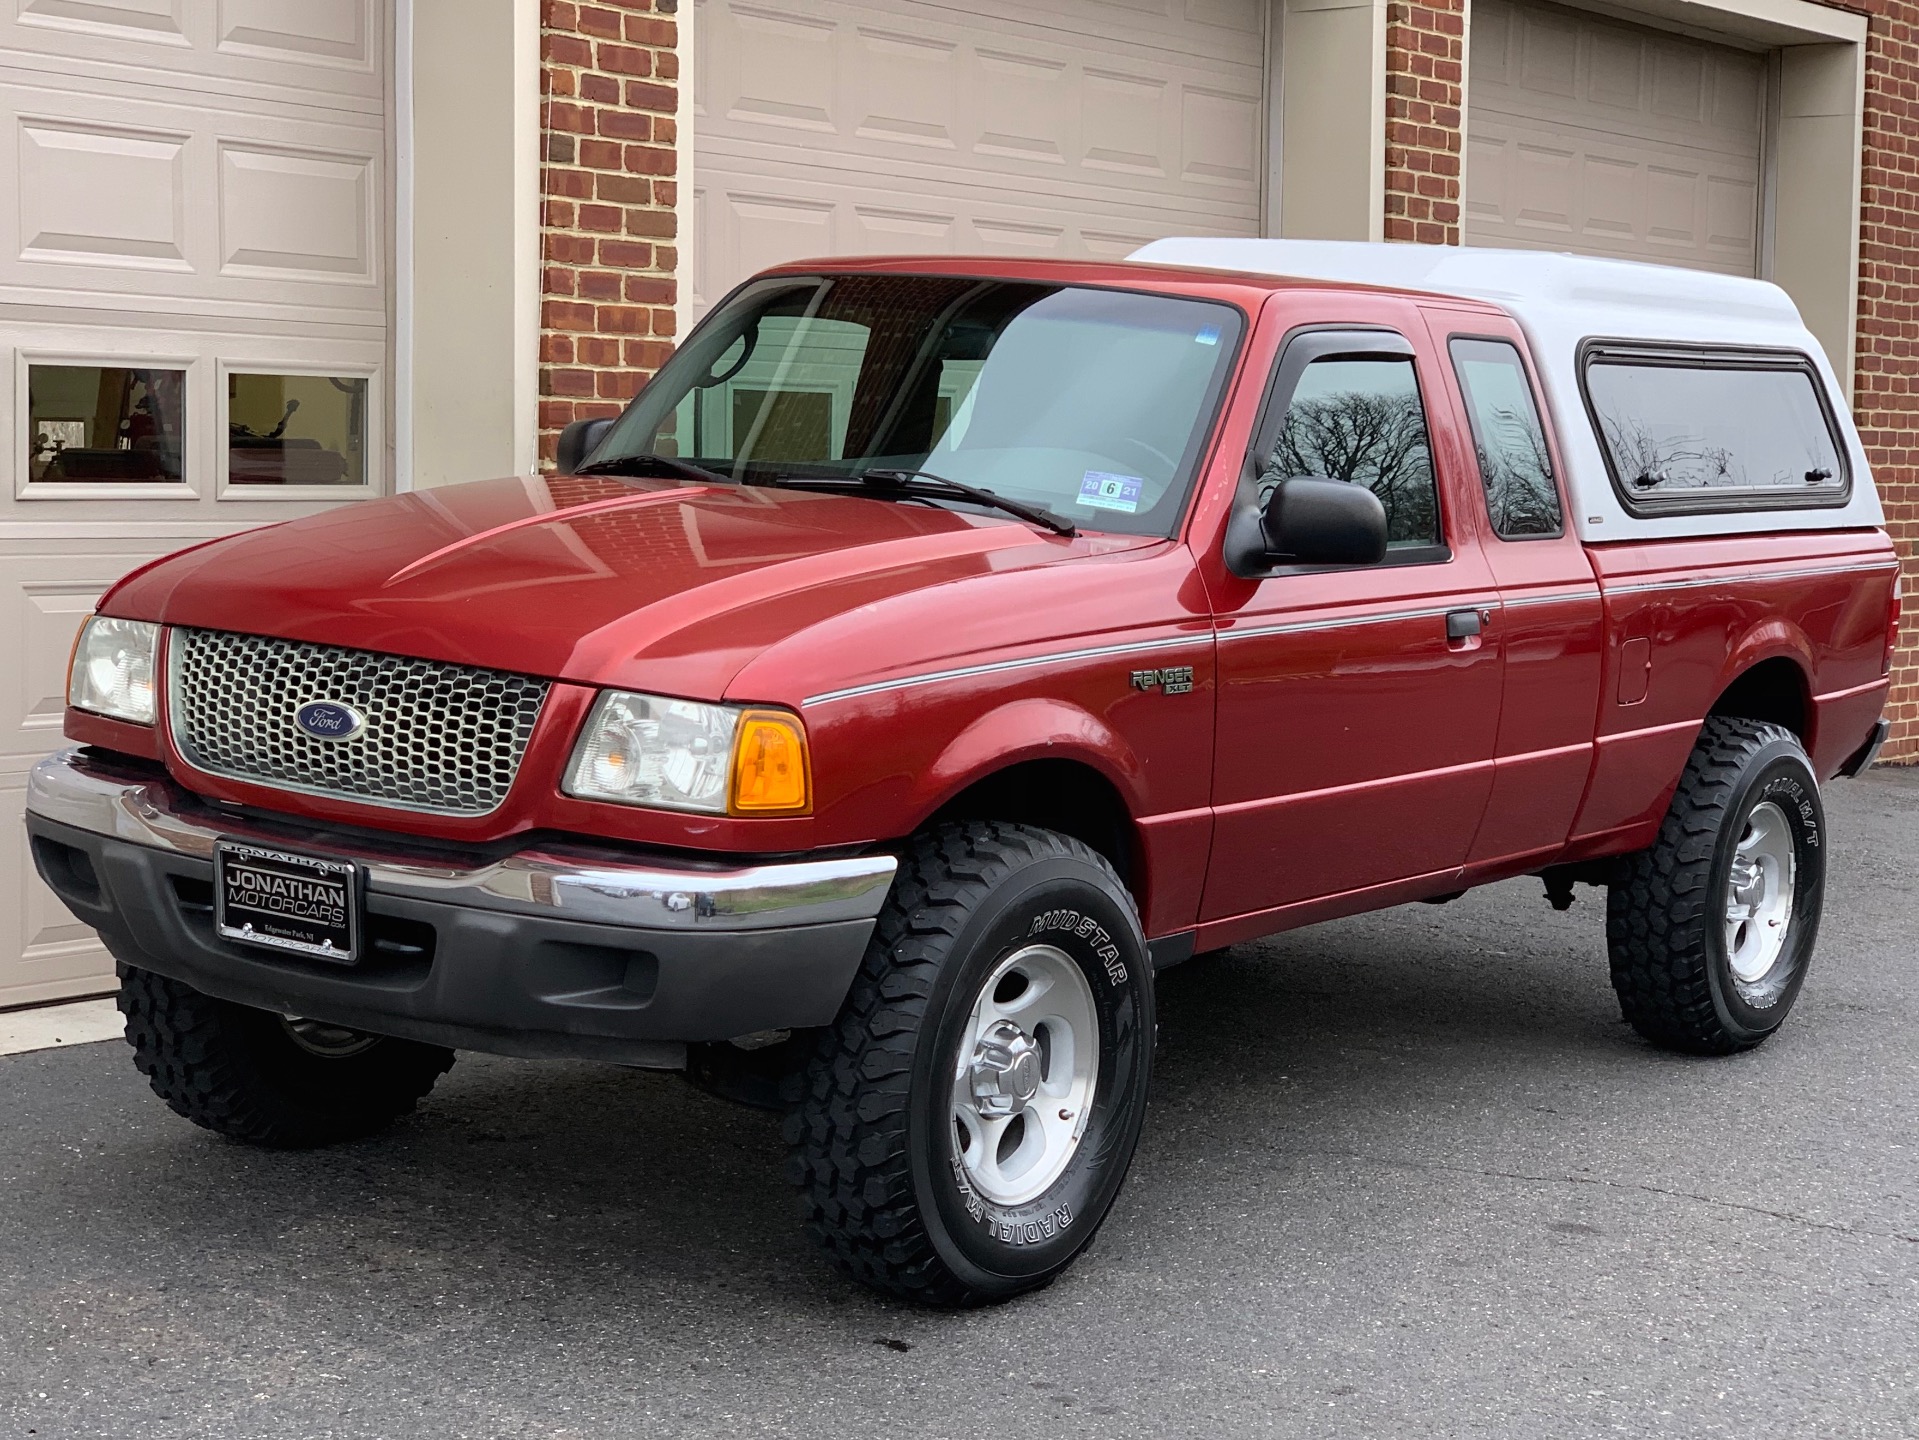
(609, 229)
(1886, 381)
(1425, 98)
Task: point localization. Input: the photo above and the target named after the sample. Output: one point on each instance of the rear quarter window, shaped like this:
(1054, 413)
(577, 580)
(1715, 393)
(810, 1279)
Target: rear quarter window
(1708, 430)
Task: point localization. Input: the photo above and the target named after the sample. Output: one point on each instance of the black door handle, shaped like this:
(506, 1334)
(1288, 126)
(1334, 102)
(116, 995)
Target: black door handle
(1461, 624)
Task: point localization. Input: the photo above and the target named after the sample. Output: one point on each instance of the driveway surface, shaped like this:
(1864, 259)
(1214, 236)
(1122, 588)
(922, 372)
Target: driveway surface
(1404, 1175)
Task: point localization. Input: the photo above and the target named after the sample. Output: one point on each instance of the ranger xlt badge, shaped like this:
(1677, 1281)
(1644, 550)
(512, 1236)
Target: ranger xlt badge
(1174, 680)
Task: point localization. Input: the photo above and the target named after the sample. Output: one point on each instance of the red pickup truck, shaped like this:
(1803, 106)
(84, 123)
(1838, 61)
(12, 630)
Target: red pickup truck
(935, 649)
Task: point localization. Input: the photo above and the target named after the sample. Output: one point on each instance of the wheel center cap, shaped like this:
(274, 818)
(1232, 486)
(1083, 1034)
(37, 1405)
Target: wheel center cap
(1005, 1072)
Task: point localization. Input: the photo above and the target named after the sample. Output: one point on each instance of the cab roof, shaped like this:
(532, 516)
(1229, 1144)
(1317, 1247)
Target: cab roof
(1518, 281)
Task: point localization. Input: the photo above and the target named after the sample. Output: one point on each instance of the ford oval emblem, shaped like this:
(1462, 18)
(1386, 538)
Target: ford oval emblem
(329, 720)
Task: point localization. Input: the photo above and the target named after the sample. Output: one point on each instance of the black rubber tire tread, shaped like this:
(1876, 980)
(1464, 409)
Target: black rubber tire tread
(215, 1063)
(847, 1137)
(1657, 913)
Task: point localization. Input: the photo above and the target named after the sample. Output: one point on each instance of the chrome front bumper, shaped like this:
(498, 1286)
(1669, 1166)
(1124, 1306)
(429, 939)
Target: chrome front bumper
(576, 884)
(558, 950)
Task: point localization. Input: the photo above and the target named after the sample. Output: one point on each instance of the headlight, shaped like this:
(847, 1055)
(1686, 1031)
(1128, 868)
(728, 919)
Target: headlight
(682, 755)
(112, 670)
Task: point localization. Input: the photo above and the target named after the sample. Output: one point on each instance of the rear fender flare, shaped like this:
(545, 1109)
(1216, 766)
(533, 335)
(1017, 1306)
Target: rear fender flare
(1774, 638)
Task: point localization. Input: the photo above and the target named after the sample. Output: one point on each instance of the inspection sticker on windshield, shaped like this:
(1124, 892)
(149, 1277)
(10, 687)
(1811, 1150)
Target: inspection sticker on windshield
(1101, 491)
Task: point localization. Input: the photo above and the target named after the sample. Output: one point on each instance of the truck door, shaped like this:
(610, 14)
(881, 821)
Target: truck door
(1358, 707)
(1552, 629)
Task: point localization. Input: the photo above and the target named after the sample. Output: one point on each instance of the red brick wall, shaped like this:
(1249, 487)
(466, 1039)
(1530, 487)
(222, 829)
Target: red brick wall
(1886, 382)
(1425, 98)
(610, 94)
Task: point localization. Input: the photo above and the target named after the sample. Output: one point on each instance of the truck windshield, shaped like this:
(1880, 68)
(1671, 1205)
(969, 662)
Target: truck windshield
(1091, 404)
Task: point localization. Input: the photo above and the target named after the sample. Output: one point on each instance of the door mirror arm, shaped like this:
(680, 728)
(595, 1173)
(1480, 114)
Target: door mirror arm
(577, 441)
(1247, 554)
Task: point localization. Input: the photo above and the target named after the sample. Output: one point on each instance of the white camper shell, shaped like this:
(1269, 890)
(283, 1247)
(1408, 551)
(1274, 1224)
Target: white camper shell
(1569, 306)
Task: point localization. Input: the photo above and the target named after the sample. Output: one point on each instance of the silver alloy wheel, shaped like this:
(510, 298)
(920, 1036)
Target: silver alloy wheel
(329, 1042)
(1025, 1075)
(1759, 893)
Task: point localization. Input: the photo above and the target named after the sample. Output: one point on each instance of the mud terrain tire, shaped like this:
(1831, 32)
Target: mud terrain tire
(252, 1076)
(1688, 977)
(879, 1147)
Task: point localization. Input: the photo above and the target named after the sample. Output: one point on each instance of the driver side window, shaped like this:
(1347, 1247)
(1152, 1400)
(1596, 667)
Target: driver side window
(1359, 418)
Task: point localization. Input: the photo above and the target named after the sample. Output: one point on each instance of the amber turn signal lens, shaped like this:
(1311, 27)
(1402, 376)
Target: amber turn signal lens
(771, 772)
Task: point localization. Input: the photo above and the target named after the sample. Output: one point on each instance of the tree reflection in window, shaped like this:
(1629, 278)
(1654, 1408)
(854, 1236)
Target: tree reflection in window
(1515, 465)
(1711, 424)
(1361, 420)
(1648, 461)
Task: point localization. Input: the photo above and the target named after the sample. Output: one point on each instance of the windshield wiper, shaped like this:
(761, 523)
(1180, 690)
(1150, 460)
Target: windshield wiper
(641, 464)
(912, 482)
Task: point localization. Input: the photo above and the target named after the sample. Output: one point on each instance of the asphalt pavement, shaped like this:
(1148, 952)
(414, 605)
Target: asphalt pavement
(1404, 1175)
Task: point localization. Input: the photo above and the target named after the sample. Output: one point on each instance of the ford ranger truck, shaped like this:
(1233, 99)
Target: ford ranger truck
(937, 649)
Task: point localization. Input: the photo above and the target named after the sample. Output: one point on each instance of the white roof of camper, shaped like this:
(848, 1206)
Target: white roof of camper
(1561, 300)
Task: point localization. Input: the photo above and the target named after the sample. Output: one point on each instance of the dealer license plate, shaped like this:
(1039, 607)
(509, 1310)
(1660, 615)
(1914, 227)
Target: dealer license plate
(263, 896)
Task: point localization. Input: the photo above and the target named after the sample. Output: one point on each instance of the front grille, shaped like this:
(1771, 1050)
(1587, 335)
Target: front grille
(444, 738)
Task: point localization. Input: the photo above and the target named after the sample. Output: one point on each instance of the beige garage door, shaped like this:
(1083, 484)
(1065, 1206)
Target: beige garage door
(1014, 127)
(193, 263)
(1610, 139)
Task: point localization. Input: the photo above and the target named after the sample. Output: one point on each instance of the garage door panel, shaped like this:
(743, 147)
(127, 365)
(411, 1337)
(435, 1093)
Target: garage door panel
(209, 205)
(1063, 127)
(1598, 136)
(332, 50)
(1738, 98)
(102, 195)
(1204, 28)
(768, 228)
(298, 214)
(334, 33)
(1022, 97)
(909, 100)
(147, 20)
(1126, 122)
(1732, 213)
(1220, 131)
(49, 612)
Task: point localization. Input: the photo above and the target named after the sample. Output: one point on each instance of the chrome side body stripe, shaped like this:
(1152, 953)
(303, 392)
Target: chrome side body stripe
(964, 672)
(1750, 576)
(1520, 602)
(1347, 622)
(1344, 622)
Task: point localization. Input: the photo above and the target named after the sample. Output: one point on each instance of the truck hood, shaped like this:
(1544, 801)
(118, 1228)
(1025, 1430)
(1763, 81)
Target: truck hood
(654, 585)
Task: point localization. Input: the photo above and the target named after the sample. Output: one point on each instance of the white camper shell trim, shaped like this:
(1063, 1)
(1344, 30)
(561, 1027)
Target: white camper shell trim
(1562, 302)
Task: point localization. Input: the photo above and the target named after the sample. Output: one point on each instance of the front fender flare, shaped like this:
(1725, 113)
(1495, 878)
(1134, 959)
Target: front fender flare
(1036, 728)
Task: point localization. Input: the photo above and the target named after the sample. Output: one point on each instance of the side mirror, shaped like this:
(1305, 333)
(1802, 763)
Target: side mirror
(577, 441)
(1308, 521)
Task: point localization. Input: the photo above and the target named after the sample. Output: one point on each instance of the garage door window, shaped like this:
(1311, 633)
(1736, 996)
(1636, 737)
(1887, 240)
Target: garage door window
(104, 424)
(296, 430)
(1691, 432)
